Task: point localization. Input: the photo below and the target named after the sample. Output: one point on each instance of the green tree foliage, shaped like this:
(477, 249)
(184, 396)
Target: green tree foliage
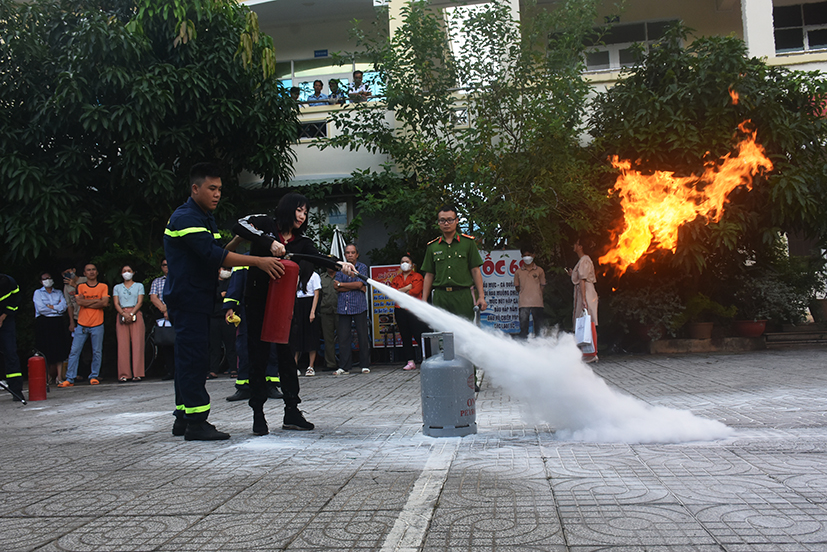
(673, 111)
(492, 125)
(104, 106)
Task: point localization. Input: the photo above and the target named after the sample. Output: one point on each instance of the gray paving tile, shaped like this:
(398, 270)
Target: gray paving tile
(97, 469)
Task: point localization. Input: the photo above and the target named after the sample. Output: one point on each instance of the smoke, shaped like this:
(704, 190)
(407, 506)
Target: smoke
(558, 388)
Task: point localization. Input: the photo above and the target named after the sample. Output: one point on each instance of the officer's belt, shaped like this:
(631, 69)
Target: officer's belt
(452, 288)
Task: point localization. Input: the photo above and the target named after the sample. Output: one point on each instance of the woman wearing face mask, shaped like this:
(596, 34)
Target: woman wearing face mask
(409, 282)
(128, 298)
(50, 327)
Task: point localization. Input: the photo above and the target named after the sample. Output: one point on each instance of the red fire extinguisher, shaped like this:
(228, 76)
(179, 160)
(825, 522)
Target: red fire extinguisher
(281, 296)
(37, 377)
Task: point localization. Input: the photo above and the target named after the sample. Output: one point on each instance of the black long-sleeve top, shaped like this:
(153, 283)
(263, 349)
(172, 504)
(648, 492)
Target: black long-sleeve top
(261, 231)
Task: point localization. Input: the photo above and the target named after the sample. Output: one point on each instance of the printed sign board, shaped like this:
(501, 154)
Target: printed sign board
(498, 269)
(384, 323)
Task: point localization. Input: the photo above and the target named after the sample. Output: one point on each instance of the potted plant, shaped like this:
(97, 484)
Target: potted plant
(764, 297)
(647, 312)
(701, 314)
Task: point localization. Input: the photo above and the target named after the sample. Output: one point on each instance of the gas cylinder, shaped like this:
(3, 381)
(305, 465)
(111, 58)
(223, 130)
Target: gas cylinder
(37, 377)
(281, 296)
(448, 398)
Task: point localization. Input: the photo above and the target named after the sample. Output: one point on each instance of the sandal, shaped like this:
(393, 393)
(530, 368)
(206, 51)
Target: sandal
(212, 375)
(122, 379)
(136, 378)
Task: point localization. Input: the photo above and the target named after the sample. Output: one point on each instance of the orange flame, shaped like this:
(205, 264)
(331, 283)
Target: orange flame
(734, 95)
(655, 206)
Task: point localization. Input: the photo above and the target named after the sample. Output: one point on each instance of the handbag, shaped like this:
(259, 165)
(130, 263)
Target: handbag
(164, 336)
(583, 330)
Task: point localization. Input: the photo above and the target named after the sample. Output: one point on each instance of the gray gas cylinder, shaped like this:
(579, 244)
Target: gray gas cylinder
(448, 401)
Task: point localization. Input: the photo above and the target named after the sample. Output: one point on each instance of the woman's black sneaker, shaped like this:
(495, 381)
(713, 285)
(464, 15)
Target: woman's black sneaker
(204, 431)
(293, 419)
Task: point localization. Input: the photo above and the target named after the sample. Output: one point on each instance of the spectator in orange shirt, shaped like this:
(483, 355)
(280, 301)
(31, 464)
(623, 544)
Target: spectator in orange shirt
(92, 297)
(410, 282)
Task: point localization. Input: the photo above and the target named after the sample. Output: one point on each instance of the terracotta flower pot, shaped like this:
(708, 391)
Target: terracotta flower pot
(700, 330)
(749, 328)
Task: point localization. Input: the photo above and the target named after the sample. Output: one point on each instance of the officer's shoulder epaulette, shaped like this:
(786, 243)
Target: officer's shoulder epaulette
(468, 236)
(433, 240)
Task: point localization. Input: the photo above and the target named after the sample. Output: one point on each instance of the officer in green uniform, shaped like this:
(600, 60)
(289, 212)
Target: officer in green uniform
(452, 268)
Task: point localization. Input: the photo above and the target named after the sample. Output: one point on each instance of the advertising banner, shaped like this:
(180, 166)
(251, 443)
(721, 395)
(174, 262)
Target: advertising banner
(498, 269)
(382, 308)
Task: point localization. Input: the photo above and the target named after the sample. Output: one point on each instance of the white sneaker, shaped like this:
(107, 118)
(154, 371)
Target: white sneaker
(341, 372)
(310, 372)
(366, 370)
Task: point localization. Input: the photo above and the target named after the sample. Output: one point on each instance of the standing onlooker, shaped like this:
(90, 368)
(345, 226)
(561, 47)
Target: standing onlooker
(408, 281)
(129, 326)
(530, 280)
(352, 308)
(358, 91)
(328, 304)
(50, 327)
(9, 301)
(70, 290)
(452, 267)
(222, 334)
(304, 331)
(92, 297)
(585, 296)
(337, 95)
(317, 98)
(166, 353)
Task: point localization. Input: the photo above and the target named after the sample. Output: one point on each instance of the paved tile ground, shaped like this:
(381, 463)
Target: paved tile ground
(98, 469)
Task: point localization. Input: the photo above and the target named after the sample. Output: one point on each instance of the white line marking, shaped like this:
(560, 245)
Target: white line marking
(408, 533)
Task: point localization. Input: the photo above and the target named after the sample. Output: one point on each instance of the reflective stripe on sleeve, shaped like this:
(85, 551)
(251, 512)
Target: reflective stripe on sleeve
(183, 232)
(274, 379)
(9, 294)
(241, 382)
(18, 375)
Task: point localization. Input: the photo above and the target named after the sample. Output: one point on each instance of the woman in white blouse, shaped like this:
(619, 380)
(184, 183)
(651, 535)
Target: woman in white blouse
(51, 338)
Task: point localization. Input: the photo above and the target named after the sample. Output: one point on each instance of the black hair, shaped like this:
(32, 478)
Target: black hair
(305, 273)
(45, 272)
(202, 171)
(448, 207)
(295, 89)
(358, 71)
(354, 246)
(586, 243)
(286, 213)
(526, 249)
(319, 81)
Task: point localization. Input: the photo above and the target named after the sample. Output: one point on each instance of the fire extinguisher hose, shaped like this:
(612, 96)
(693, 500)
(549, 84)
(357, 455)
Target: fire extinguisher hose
(324, 261)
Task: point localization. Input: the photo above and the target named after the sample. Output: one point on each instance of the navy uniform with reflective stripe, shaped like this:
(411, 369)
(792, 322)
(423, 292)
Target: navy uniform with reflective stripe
(233, 300)
(9, 301)
(193, 257)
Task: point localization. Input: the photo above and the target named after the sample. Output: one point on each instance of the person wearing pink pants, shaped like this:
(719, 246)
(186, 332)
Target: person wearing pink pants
(129, 328)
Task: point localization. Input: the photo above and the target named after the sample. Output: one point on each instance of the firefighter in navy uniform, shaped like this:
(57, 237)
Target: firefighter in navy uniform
(194, 256)
(9, 300)
(233, 305)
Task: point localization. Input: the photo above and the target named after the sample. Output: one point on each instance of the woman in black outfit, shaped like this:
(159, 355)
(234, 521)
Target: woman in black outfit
(263, 232)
